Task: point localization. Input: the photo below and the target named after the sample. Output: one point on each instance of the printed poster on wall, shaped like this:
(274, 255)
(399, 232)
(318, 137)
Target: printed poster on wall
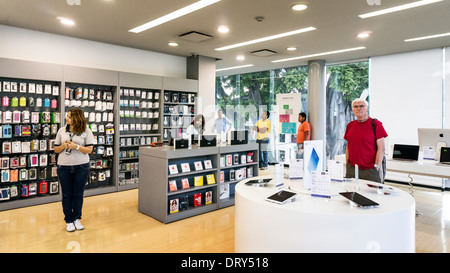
(289, 106)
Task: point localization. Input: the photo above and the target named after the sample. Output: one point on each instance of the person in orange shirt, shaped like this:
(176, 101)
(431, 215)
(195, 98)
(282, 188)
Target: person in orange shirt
(303, 133)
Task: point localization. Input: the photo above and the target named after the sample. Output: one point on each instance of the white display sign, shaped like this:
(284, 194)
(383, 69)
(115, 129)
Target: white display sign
(320, 184)
(279, 175)
(336, 170)
(312, 160)
(296, 169)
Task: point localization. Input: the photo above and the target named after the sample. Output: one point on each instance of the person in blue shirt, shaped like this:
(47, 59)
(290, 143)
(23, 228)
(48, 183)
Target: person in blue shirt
(222, 124)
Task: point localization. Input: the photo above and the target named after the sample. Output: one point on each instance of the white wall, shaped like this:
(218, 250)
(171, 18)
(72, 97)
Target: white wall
(23, 44)
(406, 93)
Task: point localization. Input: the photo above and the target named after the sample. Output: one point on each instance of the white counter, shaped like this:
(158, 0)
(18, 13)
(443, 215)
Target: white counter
(315, 224)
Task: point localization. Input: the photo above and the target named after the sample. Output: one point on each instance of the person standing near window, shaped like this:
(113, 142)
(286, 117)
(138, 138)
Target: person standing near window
(222, 124)
(362, 148)
(262, 127)
(73, 143)
(303, 133)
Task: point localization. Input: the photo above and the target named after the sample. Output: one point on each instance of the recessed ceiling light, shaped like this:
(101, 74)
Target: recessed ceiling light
(173, 15)
(66, 21)
(173, 44)
(363, 35)
(234, 67)
(428, 37)
(240, 58)
(320, 54)
(299, 7)
(291, 48)
(398, 8)
(277, 36)
(223, 29)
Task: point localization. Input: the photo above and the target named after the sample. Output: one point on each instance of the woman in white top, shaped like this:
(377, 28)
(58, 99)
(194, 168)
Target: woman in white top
(197, 126)
(73, 143)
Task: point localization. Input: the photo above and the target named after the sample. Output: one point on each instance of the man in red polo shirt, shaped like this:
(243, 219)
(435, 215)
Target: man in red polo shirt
(362, 149)
(303, 133)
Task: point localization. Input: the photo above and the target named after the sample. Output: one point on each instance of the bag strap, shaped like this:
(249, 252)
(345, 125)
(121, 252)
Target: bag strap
(375, 135)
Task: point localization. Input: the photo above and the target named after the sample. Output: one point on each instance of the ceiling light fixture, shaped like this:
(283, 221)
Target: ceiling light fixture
(173, 44)
(299, 7)
(240, 58)
(234, 67)
(363, 35)
(223, 29)
(66, 21)
(291, 48)
(428, 37)
(399, 8)
(277, 36)
(320, 54)
(173, 15)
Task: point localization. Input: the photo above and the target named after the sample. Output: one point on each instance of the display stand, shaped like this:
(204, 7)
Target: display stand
(106, 84)
(179, 107)
(140, 123)
(315, 224)
(180, 183)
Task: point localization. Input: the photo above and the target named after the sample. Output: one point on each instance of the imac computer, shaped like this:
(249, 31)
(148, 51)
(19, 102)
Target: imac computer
(434, 137)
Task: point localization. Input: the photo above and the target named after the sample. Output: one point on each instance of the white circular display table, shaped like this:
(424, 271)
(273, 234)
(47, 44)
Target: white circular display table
(316, 224)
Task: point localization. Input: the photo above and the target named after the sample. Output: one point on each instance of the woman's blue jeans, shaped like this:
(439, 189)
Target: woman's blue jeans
(72, 180)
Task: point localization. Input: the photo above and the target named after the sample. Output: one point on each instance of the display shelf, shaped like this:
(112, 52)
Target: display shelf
(179, 105)
(97, 102)
(178, 112)
(140, 123)
(161, 192)
(29, 121)
(72, 77)
(236, 162)
(139, 126)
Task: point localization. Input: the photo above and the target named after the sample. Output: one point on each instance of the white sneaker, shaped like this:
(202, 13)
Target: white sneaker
(78, 225)
(70, 227)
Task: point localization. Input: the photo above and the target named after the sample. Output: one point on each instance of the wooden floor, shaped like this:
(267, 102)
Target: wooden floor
(113, 224)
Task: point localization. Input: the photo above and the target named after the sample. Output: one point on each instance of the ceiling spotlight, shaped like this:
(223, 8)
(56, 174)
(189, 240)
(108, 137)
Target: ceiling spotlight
(240, 58)
(363, 35)
(299, 7)
(173, 44)
(291, 48)
(223, 29)
(66, 21)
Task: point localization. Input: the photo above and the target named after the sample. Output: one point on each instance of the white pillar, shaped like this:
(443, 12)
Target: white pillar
(316, 115)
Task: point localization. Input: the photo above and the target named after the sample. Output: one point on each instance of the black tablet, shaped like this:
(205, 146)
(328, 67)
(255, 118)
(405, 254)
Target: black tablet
(281, 197)
(258, 181)
(359, 199)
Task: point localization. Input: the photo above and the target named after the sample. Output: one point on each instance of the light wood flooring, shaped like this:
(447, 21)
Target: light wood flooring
(114, 225)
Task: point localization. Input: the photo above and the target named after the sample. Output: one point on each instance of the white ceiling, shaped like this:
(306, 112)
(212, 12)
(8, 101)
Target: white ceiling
(336, 22)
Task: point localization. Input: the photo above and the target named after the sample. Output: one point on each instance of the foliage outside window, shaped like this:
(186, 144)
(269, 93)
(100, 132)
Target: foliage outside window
(242, 96)
(345, 83)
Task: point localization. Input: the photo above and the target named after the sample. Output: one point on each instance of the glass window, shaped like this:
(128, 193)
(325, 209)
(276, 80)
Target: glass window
(345, 82)
(243, 96)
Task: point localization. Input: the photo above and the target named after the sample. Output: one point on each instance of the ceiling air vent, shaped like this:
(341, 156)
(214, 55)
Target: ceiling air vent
(263, 52)
(195, 36)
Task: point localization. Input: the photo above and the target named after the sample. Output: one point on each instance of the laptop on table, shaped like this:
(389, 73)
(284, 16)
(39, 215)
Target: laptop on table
(405, 152)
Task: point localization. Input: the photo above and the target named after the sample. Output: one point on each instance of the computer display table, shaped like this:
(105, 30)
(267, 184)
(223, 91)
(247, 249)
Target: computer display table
(315, 224)
(424, 167)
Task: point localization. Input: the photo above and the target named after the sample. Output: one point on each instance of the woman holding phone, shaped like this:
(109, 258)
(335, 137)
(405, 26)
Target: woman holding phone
(73, 143)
